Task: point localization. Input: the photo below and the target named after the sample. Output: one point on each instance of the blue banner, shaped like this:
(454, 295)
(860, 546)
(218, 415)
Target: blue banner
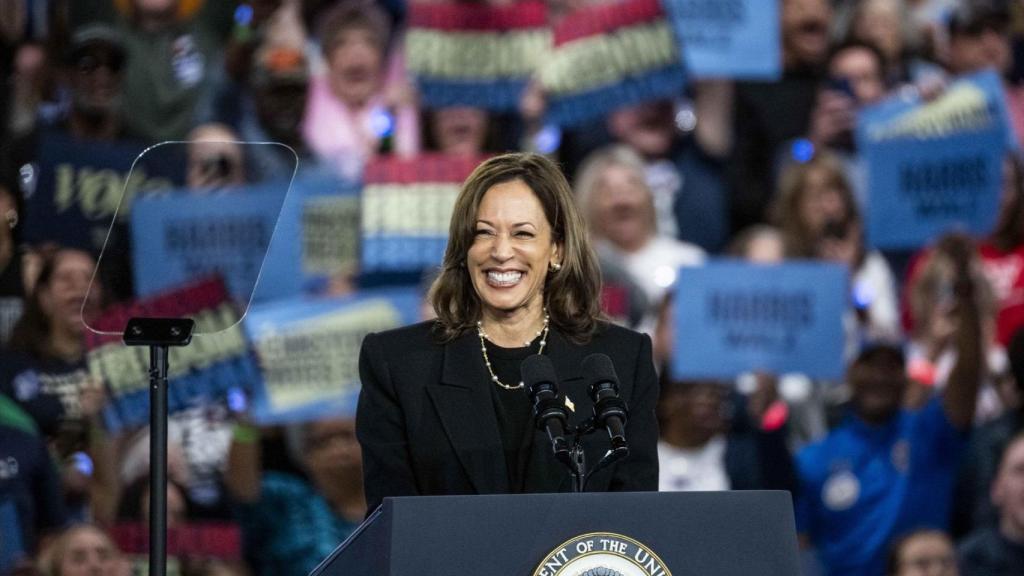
(935, 166)
(77, 186)
(734, 317)
(309, 351)
(180, 237)
(728, 38)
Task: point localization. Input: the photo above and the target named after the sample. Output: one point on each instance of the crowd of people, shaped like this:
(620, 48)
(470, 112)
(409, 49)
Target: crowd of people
(911, 464)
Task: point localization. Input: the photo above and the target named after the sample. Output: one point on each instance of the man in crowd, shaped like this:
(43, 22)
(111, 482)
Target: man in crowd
(886, 470)
(999, 551)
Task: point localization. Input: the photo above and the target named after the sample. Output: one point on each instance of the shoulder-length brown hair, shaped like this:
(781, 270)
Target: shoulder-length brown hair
(571, 294)
(799, 240)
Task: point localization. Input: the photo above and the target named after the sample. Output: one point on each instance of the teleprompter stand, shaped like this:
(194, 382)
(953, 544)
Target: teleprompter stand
(159, 334)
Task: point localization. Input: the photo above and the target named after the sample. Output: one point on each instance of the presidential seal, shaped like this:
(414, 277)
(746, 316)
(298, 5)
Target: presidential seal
(602, 554)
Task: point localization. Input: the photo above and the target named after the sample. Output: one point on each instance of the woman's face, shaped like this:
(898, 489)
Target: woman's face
(460, 130)
(621, 210)
(355, 66)
(513, 246)
(927, 555)
(89, 553)
(63, 296)
(820, 201)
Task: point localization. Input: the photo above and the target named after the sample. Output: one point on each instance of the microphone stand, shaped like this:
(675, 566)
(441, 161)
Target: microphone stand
(159, 334)
(577, 462)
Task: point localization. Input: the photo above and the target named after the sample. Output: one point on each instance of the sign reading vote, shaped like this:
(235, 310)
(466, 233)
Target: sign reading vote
(309, 351)
(734, 317)
(935, 166)
(728, 38)
(475, 54)
(609, 56)
(217, 360)
(406, 211)
(78, 187)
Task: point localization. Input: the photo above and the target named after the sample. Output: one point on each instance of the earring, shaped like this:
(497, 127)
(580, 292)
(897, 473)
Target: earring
(555, 267)
(12, 218)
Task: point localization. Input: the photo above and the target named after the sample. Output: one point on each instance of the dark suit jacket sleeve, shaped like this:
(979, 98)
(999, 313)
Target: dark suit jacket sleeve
(639, 472)
(380, 428)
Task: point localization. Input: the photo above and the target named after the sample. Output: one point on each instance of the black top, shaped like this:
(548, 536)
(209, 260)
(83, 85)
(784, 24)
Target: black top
(513, 410)
(12, 296)
(986, 552)
(427, 421)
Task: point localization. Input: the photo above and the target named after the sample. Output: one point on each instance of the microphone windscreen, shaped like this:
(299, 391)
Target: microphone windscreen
(536, 371)
(598, 368)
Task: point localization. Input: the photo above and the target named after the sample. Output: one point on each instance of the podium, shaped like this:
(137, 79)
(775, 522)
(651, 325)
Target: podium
(662, 533)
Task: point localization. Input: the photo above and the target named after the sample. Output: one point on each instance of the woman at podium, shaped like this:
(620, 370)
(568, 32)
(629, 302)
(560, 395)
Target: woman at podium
(443, 408)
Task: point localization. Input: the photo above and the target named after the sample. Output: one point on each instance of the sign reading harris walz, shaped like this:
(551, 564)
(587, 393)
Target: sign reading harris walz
(734, 317)
(935, 166)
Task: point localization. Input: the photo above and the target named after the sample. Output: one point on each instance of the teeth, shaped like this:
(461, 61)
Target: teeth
(504, 277)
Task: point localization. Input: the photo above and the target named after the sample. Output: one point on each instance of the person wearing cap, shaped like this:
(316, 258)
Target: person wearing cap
(887, 470)
(979, 38)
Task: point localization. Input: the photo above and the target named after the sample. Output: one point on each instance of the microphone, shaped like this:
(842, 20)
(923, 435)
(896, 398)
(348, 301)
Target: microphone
(609, 410)
(549, 411)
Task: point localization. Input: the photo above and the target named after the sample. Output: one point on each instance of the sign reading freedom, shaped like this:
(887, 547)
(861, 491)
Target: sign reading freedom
(217, 360)
(935, 166)
(309, 351)
(734, 317)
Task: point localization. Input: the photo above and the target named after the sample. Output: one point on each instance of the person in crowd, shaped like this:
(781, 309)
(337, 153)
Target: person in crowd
(760, 244)
(886, 470)
(31, 503)
(932, 352)
(820, 219)
(460, 131)
(329, 502)
(519, 278)
(709, 443)
(999, 550)
(682, 162)
(979, 39)
(973, 507)
(83, 550)
(13, 281)
(1003, 251)
(924, 552)
(768, 115)
(904, 43)
(172, 55)
(348, 118)
(216, 160)
(618, 206)
(273, 109)
(43, 371)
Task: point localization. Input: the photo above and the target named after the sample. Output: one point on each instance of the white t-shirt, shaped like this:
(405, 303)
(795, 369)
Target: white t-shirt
(692, 470)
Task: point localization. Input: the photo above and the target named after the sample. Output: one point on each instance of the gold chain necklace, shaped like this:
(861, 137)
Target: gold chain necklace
(543, 333)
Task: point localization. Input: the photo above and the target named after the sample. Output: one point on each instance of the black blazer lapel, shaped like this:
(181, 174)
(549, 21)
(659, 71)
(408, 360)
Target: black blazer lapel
(464, 404)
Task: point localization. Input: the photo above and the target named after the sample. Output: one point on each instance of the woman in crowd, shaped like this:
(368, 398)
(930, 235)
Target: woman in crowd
(617, 203)
(12, 278)
(442, 408)
(819, 219)
(83, 550)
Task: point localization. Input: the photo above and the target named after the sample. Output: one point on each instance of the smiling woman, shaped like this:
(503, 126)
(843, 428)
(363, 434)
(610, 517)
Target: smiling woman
(443, 409)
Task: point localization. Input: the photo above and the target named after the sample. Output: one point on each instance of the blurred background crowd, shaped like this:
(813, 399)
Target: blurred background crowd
(912, 464)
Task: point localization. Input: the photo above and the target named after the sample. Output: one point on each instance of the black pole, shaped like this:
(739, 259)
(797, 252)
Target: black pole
(579, 467)
(158, 460)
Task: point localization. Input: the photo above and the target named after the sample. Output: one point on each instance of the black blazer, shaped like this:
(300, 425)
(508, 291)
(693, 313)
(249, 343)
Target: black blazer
(427, 425)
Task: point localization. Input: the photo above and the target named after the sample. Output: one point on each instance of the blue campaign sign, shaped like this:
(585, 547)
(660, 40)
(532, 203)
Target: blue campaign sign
(733, 317)
(180, 237)
(309, 351)
(728, 38)
(77, 185)
(935, 166)
(317, 237)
